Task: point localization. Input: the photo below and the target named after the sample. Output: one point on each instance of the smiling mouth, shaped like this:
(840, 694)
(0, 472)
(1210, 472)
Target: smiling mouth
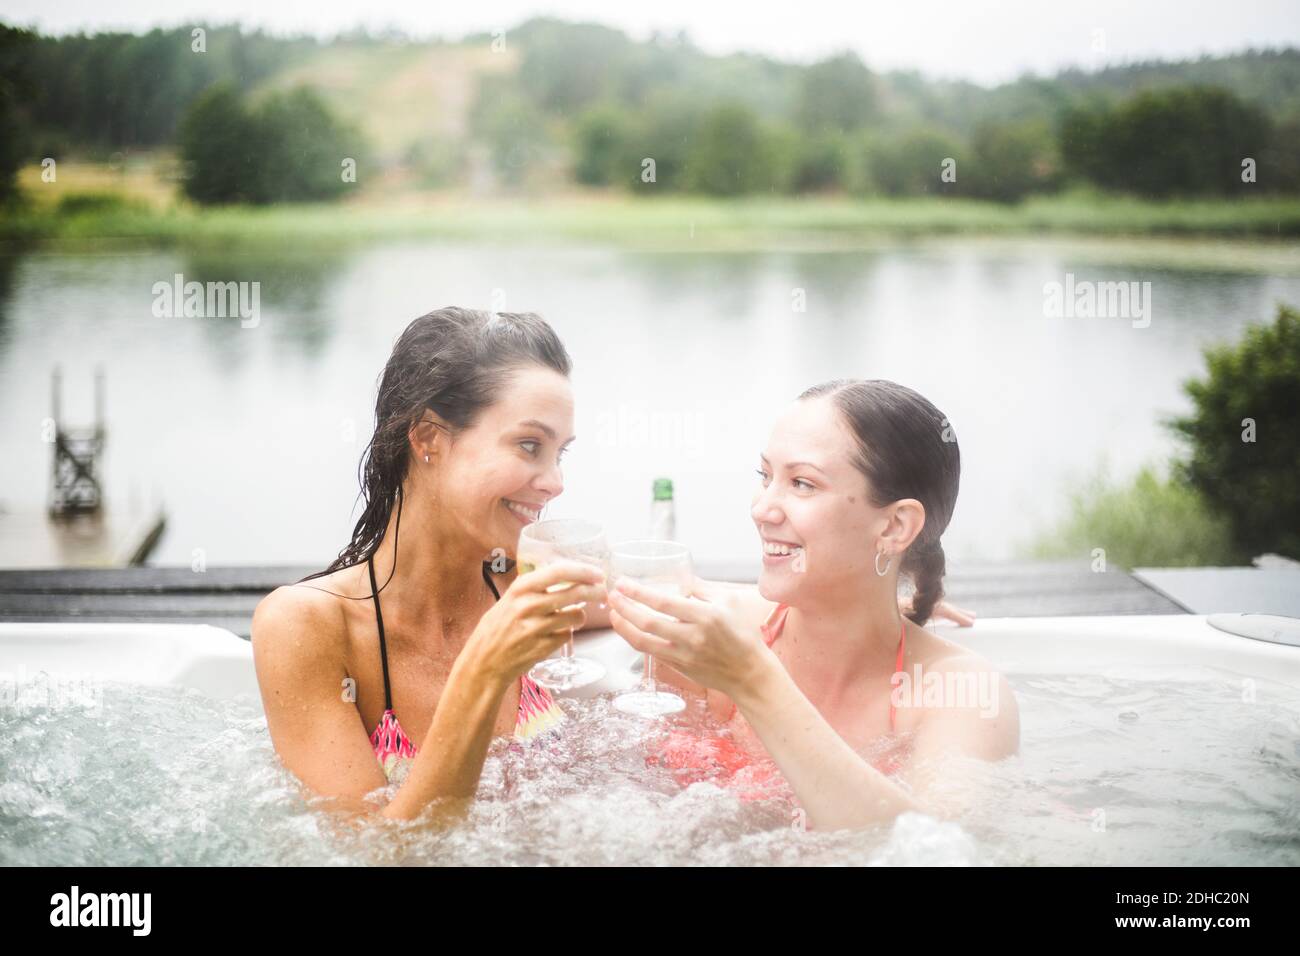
(525, 512)
(780, 549)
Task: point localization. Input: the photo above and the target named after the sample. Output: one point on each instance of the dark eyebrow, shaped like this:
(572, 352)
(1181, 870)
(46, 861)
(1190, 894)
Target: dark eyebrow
(795, 464)
(546, 429)
(534, 423)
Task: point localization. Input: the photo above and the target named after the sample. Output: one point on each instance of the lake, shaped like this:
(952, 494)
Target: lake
(251, 433)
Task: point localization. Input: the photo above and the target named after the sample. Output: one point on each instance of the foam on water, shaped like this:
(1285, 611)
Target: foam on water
(1111, 771)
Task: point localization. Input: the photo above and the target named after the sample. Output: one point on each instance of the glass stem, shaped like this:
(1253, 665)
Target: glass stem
(648, 678)
(567, 651)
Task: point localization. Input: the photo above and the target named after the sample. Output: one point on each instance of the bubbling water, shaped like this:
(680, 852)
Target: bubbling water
(1110, 772)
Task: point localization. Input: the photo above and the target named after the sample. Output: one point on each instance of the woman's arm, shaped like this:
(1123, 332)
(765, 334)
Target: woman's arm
(837, 787)
(314, 722)
(449, 761)
(318, 732)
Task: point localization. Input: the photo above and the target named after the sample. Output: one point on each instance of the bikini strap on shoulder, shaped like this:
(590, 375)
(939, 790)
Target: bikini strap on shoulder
(379, 622)
(774, 624)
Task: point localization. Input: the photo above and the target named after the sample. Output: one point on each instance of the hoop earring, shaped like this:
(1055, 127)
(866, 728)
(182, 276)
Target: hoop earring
(888, 564)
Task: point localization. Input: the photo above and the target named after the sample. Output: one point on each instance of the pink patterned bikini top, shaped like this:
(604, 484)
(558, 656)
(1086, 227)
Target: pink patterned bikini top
(538, 712)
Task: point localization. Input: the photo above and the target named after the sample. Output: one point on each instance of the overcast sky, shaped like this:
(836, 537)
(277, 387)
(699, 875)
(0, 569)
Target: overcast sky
(941, 38)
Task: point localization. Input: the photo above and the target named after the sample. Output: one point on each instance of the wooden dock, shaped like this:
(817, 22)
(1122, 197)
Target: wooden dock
(102, 539)
(78, 527)
(226, 597)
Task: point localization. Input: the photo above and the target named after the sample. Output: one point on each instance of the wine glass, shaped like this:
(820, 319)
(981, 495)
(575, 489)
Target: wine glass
(661, 566)
(560, 539)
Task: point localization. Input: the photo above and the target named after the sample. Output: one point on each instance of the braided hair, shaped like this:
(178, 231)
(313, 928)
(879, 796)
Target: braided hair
(905, 449)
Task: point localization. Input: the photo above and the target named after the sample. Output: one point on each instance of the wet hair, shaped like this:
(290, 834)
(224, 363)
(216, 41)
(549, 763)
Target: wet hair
(454, 362)
(905, 449)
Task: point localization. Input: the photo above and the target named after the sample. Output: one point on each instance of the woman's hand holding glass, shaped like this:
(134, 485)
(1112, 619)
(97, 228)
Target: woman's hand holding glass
(698, 638)
(564, 540)
(534, 617)
(664, 567)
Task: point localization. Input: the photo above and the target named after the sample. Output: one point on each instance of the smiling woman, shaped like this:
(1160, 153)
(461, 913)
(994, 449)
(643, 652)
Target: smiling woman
(472, 418)
(858, 482)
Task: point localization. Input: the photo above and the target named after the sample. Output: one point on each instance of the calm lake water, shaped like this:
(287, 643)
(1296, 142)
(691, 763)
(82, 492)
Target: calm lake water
(252, 436)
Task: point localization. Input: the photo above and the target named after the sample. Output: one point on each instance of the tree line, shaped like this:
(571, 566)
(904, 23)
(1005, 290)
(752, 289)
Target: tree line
(661, 116)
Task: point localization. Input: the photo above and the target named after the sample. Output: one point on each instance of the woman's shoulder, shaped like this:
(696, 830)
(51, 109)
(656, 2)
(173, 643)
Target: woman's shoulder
(304, 618)
(936, 652)
(968, 679)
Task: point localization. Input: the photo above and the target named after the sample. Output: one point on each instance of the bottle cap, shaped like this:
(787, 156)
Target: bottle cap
(663, 489)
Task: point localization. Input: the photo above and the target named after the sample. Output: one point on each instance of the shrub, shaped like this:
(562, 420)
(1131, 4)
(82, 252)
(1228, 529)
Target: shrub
(1244, 435)
(1150, 521)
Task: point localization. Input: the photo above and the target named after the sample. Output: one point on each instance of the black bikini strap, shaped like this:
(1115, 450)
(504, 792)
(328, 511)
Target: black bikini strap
(487, 576)
(379, 620)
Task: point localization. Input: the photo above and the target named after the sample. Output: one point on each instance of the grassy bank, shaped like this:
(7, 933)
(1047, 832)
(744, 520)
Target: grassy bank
(671, 222)
(1150, 520)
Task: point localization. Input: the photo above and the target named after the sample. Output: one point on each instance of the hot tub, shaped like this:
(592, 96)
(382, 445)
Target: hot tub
(1144, 741)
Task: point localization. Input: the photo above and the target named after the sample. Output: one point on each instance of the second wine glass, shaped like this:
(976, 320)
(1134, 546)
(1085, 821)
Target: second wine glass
(661, 566)
(568, 539)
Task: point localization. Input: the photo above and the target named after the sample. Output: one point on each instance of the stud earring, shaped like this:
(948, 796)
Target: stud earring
(426, 459)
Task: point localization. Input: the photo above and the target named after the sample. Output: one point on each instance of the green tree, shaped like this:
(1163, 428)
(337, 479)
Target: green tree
(822, 162)
(838, 93)
(734, 154)
(1011, 160)
(1184, 141)
(15, 89)
(304, 149)
(911, 164)
(1244, 435)
(600, 138)
(566, 66)
(1279, 166)
(1080, 141)
(220, 145)
(667, 131)
(288, 149)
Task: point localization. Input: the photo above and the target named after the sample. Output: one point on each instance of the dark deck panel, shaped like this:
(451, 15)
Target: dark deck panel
(226, 597)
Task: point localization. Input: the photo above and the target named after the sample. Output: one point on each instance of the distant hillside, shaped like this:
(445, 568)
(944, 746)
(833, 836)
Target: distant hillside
(552, 105)
(407, 97)
(122, 89)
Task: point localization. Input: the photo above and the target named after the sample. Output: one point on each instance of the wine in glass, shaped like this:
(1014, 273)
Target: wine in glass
(662, 566)
(563, 539)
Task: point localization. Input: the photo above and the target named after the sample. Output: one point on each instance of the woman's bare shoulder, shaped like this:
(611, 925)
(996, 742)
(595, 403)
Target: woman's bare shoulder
(940, 653)
(304, 620)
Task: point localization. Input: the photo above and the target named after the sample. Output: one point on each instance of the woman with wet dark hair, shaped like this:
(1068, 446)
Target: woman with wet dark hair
(860, 707)
(473, 414)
